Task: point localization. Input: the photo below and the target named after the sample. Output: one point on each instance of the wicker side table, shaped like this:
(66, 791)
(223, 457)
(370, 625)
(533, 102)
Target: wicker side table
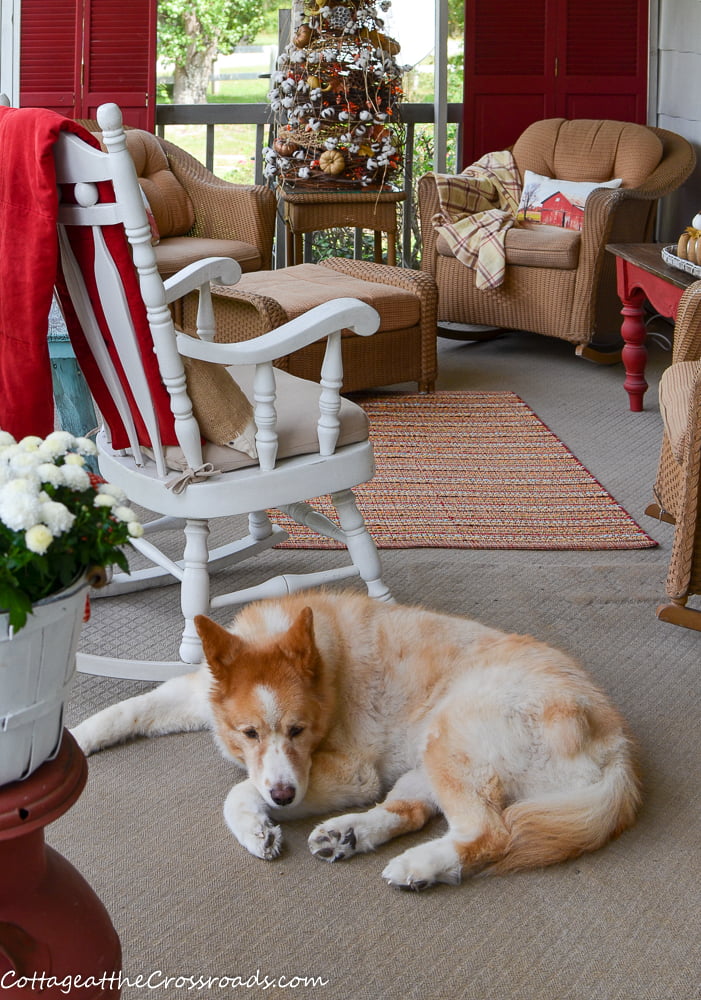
(312, 212)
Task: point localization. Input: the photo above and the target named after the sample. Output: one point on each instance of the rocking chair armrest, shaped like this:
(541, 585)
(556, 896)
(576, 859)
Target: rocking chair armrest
(319, 322)
(220, 270)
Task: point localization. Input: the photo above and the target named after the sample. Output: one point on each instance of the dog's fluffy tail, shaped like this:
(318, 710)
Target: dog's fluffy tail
(565, 824)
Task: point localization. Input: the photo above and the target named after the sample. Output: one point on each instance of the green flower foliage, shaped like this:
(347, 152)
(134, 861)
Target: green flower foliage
(57, 520)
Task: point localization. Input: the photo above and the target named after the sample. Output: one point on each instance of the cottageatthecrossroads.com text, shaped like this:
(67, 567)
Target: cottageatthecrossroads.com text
(156, 980)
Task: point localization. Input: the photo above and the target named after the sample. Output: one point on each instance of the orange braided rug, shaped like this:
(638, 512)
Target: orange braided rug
(476, 470)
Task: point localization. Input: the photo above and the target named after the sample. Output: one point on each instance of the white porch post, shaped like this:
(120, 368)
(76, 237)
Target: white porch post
(9, 49)
(440, 87)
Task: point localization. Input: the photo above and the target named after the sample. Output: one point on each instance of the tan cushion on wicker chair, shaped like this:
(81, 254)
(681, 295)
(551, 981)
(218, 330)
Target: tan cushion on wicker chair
(676, 385)
(179, 251)
(303, 286)
(297, 406)
(534, 245)
(588, 150)
(168, 199)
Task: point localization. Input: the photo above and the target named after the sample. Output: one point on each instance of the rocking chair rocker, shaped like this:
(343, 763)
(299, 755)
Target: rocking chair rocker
(292, 439)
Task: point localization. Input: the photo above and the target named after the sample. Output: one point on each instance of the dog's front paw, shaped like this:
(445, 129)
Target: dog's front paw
(333, 842)
(87, 736)
(423, 866)
(260, 837)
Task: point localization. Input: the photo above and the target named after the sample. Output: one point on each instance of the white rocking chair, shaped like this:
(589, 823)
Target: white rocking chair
(309, 440)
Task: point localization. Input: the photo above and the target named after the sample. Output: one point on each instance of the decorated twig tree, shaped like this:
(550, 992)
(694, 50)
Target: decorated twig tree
(335, 99)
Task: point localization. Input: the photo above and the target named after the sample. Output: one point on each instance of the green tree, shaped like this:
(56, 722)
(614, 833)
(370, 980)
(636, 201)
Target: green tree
(192, 33)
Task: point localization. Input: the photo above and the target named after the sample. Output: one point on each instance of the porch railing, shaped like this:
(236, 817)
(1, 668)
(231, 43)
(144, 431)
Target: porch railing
(212, 115)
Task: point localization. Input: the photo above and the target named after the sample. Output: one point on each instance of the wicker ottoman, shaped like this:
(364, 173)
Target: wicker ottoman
(403, 349)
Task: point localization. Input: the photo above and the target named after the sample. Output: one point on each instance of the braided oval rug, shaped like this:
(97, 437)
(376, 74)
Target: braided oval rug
(476, 470)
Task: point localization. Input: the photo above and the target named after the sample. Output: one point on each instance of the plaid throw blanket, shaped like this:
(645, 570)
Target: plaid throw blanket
(477, 208)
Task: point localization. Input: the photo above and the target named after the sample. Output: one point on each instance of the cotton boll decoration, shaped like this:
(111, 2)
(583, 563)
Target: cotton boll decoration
(336, 91)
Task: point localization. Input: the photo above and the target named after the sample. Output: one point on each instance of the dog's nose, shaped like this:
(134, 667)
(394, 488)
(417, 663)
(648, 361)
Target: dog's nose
(282, 795)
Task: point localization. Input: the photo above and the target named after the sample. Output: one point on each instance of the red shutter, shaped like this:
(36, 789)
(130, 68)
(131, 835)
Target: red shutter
(550, 58)
(50, 55)
(508, 58)
(120, 59)
(603, 67)
(78, 54)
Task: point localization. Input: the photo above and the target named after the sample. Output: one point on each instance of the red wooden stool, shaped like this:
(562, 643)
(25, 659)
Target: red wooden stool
(53, 928)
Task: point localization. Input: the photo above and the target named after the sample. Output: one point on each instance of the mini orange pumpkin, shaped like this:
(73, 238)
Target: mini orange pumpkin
(302, 36)
(285, 147)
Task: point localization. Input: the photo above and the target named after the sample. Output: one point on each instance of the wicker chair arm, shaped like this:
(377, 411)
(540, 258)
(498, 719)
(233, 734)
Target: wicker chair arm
(687, 328)
(678, 161)
(429, 205)
(224, 210)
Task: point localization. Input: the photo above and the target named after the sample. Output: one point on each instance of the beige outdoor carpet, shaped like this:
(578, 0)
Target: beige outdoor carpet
(476, 470)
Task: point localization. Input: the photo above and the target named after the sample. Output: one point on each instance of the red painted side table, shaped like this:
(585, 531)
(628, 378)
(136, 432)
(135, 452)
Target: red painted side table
(53, 928)
(642, 274)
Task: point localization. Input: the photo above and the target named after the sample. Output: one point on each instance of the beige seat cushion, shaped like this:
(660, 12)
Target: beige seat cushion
(676, 386)
(179, 251)
(297, 408)
(535, 245)
(304, 286)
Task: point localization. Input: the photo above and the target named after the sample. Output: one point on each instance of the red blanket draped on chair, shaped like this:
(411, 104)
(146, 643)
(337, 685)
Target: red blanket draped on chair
(29, 268)
(28, 261)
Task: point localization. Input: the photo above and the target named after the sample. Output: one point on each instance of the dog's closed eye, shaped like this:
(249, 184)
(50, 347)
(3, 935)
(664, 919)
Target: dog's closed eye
(295, 731)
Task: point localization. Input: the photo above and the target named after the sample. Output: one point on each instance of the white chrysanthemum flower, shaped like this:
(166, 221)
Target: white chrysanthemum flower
(57, 517)
(72, 458)
(25, 463)
(85, 446)
(124, 514)
(57, 443)
(135, 529)
(114, 491)
(9, 452)
(6, 439)
(21, 485)
(19, 511)
(50, 473)
(30, 443)
(104, 500)
(75, 477)
(38, 538)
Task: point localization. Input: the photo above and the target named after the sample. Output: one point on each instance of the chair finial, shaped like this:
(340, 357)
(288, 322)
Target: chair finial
(109, 117)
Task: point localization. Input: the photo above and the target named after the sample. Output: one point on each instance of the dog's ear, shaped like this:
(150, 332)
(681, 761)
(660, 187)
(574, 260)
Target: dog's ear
(298, 642)
(221, 648)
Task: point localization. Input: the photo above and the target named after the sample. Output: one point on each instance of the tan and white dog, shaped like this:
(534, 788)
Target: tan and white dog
(334, 701)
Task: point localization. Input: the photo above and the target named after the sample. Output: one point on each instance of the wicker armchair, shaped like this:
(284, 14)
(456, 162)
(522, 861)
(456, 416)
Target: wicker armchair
(558, 282)
(678, 485)
(196, 214)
